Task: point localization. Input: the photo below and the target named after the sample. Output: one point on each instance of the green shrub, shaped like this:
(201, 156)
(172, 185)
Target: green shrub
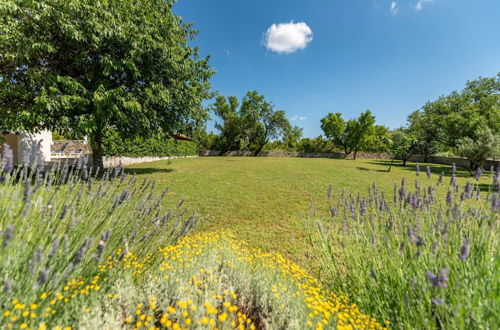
(315, 145)
(159, 145)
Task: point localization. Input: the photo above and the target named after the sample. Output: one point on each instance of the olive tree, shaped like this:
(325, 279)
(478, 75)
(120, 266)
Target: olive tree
(485, 145)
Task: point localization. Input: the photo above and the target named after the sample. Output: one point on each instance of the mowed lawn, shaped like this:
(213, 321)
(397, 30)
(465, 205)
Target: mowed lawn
(266, 201)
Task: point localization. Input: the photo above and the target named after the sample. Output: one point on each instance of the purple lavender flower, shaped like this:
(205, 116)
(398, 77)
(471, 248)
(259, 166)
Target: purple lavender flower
(440, 280)
(428, 171)
(464, 250)
(440, 180)
(417, 169)
(7, 235)
(410, 233)
(453, 180)
(362, 207)
(437, 302)
(414, 202)
(7, 158)
(468, 190)
(478, 174)
(453, 168)
(495, 204)
(402, 193)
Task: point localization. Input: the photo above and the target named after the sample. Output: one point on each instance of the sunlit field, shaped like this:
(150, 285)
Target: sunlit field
(266, 200)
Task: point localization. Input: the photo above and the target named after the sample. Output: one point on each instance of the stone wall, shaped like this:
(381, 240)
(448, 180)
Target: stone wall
(460, 162)
(111, 161)
(337, 155)
(115, 161)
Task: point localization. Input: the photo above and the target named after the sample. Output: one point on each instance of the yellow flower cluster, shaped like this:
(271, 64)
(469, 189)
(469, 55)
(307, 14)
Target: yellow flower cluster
(209, 280)
(23, 315)
(324, 308)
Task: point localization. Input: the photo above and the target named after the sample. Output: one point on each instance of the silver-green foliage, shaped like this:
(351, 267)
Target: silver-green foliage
(486, 145)
(424, 259)
(65, 222)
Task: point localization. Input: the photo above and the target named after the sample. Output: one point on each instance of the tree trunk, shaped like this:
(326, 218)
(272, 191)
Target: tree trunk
(97, 151)
(390, 166)
(355, 154)
(471, 166)
(259, 149)
(404, 162)
(346, 152)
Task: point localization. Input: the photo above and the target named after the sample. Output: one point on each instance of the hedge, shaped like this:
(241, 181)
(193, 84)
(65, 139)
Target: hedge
(156, 146)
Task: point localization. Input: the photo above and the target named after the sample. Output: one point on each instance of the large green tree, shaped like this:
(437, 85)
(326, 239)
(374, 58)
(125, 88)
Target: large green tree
(426, 134)
(459, 115)
(350, 135)
(249, 126)
(95, 65)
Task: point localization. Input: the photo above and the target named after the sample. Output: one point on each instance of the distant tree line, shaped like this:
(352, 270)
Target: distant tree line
(464, 123)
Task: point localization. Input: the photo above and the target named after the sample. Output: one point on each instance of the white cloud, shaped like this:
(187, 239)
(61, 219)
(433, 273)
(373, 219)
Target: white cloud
(286, 38)
(394, 7)
(298, 118)
(228, 53)
(420, 4)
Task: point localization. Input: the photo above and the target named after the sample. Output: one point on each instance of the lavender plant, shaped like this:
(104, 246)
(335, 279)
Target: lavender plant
(67, 222)
(424, 259)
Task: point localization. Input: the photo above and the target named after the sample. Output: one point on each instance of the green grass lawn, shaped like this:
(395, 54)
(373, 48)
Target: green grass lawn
(266, 201)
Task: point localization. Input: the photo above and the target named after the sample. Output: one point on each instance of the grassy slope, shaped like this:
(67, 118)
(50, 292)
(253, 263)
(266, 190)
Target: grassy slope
(265, 200)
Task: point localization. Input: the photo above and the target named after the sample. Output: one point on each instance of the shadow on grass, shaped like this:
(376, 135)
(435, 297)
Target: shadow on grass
(436, 169)
(359, 168)
(148, 170)
(485, 187)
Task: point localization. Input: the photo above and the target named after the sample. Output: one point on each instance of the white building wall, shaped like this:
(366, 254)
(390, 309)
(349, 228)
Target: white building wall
(35, 147)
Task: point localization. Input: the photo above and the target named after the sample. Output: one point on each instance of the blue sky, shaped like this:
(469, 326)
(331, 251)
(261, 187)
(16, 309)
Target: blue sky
(346, 55)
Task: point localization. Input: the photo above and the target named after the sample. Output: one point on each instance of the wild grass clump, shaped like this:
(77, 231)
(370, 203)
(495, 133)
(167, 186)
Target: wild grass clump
(422, 258)
(62, 230)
